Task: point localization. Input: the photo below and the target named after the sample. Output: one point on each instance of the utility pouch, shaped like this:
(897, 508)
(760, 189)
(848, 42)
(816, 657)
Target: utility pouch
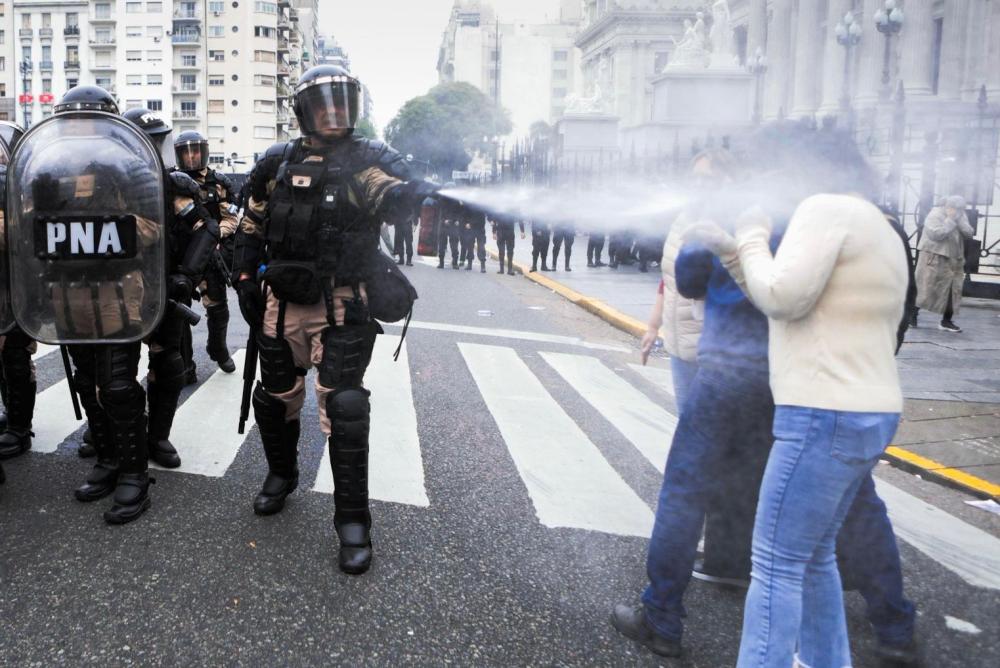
(295, 282)
(390, 293)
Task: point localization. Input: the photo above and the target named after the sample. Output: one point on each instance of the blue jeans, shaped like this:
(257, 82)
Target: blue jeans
(868, 560)
(720, 447)
(819, 461)
(682, 373)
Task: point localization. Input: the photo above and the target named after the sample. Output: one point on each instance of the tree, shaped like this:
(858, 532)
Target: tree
(446, 125)
(365, 128)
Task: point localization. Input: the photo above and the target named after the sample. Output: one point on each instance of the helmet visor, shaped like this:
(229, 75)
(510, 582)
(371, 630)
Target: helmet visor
(330, 105)
(192, 156)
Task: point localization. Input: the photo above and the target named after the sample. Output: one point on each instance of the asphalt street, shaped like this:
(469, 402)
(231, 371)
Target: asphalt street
(513, 463)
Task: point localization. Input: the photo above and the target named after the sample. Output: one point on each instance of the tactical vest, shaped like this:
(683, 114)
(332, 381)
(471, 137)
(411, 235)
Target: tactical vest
(316, 231)
(210, 193)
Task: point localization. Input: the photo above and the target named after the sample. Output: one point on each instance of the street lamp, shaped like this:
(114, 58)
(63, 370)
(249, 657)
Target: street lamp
(848, 32)
(757, 67)
(25, 71)
(888, 21)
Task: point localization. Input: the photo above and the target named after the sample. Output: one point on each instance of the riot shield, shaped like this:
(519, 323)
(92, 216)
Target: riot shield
(6, 314)
(86, 230)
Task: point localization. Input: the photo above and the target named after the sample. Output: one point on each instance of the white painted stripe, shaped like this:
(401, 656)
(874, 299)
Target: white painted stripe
(658, 376)
(968, 552)
(54, 420)
(204, 430)
(43, 350)
(511, 334)
(395, 468)
(648, 426)
(569, 481)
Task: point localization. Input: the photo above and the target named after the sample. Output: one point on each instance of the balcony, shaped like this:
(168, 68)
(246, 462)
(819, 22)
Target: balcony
(283, 91)
(189, 114)
(187, 15)
(26, 33)
(186, 38)
(71, 64)
(103, 67)
(282, 45)
(102, 41)
(182, 66)
(45, 66)
(186, 89)
(45, 33)
(71, 31)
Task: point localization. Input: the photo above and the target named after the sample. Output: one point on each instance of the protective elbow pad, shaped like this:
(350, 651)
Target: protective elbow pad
(246, 254)
(200, 248)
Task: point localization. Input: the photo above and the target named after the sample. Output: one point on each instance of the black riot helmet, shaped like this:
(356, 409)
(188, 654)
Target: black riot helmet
(148, 122)
(10, 133)
(87, 98)
(191, 150)
(327, 98)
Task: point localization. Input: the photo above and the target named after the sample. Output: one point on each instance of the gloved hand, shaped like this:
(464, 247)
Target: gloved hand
(418, 190)
(179, 287)
(712, 237)
(251, 302)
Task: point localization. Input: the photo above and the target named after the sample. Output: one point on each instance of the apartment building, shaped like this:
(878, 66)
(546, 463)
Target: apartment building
(225, 68)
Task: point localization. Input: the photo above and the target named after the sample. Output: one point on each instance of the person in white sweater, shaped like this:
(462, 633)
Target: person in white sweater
(834, 294)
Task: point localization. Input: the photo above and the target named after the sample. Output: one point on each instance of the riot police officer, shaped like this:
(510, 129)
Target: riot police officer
(540, 235)
(473, 230)
(95, 279)
(192, 232)
(17, 370)
(563, 234)
(503, 233)
(449, 229)
(313, 217)
(219, 199)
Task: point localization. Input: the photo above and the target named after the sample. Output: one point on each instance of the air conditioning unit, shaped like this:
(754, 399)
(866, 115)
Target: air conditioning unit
(217, 13)
(156, 39)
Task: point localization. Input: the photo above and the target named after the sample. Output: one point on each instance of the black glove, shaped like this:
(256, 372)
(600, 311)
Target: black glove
(415, 192)
(179, 287)
(251, 302)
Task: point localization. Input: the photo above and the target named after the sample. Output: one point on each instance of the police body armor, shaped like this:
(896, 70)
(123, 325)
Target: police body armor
(86, 230)
(6, 313)
(317, 235)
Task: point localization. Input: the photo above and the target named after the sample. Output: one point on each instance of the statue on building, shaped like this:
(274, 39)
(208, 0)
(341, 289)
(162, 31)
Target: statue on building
(721, 36)
(690, 53)
(586, 104)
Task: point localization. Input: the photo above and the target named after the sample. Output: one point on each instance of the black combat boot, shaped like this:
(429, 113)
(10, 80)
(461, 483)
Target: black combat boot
(441, 262)
(555, 261)
(104, 476)
(400, 260)
(281, 441)
(409, 260)
(218, 324)
(567, 263)
(131, 498)
(162, 408)
(16, 439)
(86, 449)
(349, 422)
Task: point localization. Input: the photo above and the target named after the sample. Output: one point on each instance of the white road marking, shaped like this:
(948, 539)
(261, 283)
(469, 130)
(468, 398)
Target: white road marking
(512, 334)
(395, 468)
(960, 625)
(54, 420)
(658, 376)
(569, 481)
(204, 430)
(648, 426)
(43, 350)
(968, 552)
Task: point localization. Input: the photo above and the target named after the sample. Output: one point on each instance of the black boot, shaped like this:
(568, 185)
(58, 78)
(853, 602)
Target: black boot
(349, 420)
(104, 476)
(441, 262)
(86, 449)
(510, 265)
(400, 260)
(409, 260)
(482, 266)
(567, 262)
(218, 324)
(555, 261)
(281, 441)
(131, 498)
(16, 439)
(162, 408)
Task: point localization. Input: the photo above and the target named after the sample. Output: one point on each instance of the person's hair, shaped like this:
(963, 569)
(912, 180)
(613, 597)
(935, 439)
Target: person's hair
(955, 202)
(724, 163)
(807, 160)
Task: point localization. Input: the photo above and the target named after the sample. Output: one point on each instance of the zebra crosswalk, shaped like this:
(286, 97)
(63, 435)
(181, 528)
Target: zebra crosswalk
(567, 477)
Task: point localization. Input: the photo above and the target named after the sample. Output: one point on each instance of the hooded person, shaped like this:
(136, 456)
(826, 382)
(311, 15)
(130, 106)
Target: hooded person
(941, 262)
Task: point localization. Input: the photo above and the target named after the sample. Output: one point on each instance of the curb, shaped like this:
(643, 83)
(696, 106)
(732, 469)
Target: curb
(900, 457)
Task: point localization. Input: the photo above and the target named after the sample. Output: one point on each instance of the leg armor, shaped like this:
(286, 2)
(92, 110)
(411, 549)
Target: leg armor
(218, 326)
(280, 439)
(104, 476)
(19, 376)
(167, 368)
(3, 396)
(187, 354)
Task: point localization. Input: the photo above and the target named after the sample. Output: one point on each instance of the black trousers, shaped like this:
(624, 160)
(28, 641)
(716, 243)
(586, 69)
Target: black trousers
(448, 236)
(403, 241)
(471, 238)
(595, 246)
(540, 245)
(505, 246)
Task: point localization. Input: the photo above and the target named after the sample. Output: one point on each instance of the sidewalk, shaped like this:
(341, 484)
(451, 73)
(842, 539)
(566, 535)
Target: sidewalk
(951, 423)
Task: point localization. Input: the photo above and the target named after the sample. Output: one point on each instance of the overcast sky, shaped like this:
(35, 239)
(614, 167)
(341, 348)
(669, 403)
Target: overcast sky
(393, 44)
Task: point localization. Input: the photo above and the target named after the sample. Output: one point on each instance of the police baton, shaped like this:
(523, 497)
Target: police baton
(69, 378)
(249, 375)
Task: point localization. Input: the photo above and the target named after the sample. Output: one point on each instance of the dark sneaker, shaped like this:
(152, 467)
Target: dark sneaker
(949, 326)
(699, 572)
(630, 621)
(896, 656)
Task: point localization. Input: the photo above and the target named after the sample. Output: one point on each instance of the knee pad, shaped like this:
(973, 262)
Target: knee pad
(215, 286)
(349, 413)
(346, 353)
(123, 399)
(267, 409)
(277, 365)
(168, 369)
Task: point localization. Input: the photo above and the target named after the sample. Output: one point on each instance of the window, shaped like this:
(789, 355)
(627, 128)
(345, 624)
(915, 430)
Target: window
(156, 32)
(216, 160)
(217, 56)
(216, 106)
(187, 10)
(46, 53)
(70, 83)
(216, 7)
(559, 75)
(133, 56)
(102, 10)
(216, 31)
(265, 7)
(154, 79)
(154, 56)
(133, 7)
(3, 91)
(103, 36)
(263, 56)
(133, 79)
(133, 104)
(46, 85)
(264, 31)
(26, 54)
(263, 106)
(46, 20)
(154, 105)
(154, 7)
(189, 109)
(189, 82)
(3, 65)
(263, 80)
(73, 54)
(25, 20)
(216, 131)
(72, 20)
(560, 56)
(559, 93)
(103, 82)
(133, 31)
(216, 80)
(189, 60)
(102, 59)
(264, 132)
